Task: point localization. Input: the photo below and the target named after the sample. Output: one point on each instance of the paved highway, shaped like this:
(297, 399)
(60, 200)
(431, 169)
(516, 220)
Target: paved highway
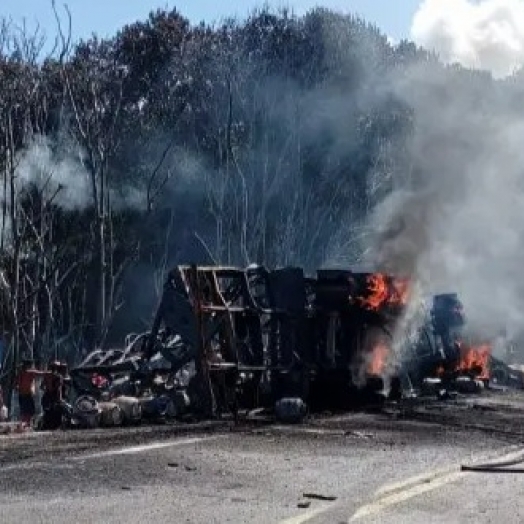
(359, 468)
(451, 499)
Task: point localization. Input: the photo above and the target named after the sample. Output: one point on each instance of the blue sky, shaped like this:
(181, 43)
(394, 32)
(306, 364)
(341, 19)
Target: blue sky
(104, 17)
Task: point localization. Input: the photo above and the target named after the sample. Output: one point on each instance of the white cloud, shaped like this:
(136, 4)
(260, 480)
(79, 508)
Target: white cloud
(486, 34)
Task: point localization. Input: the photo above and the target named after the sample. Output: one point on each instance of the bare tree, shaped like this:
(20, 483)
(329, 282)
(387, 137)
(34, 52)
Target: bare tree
(23, 107)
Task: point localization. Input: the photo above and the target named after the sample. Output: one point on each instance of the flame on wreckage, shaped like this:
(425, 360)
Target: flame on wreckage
(227, 339)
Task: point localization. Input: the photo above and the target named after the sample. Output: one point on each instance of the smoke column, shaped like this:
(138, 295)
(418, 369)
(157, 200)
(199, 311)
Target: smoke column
(457, 224)
(485, 35)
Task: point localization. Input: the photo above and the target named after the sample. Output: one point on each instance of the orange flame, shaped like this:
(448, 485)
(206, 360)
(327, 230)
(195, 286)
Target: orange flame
(384, 290)
(378, 291)
(475, 359)
(379, 356)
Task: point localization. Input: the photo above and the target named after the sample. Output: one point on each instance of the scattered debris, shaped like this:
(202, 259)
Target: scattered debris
(290, 410)
(10, 428)
(431, 386)
(359, 434)
(468, 385)
(316, 496)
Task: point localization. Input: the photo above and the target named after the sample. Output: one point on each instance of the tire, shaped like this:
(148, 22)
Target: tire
(117, 416)
(171, 411)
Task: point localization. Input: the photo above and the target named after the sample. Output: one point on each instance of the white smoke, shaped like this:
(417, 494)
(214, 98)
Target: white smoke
(56, 171)
(459, 225)
(487, 35)
(54, 167)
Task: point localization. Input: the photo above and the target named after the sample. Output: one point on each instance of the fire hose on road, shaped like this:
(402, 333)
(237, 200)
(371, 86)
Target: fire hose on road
(497, 467)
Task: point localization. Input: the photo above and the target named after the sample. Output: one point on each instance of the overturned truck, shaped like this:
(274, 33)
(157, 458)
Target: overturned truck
(257, 336)
(227, 340)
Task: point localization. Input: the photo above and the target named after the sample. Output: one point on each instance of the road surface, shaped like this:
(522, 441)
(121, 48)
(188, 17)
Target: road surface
(371, 468)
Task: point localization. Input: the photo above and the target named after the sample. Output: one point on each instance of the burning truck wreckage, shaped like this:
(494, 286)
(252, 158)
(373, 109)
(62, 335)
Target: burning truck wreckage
(226, 342)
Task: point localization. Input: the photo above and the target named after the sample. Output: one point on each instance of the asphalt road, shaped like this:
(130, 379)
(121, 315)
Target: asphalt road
(453, 498)
(374, 467)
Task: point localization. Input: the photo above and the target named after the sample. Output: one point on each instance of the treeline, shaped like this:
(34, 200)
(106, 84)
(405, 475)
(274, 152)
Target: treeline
(268, 140)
